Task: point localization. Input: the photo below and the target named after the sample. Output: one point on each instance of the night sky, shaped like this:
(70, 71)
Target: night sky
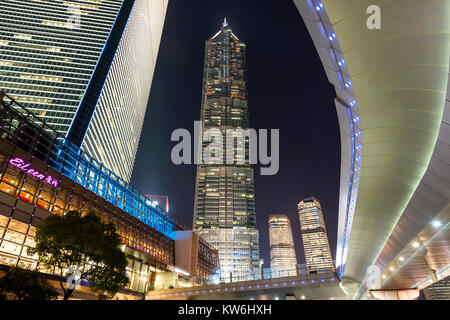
(288, 90)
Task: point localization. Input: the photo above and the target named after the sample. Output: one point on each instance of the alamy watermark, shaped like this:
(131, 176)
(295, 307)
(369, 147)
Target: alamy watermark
(241, 147)
(374, 20)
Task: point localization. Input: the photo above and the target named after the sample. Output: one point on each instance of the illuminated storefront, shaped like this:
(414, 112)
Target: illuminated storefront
(42, 174)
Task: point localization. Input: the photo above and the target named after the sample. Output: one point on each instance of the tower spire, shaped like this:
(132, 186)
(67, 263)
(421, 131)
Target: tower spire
(225, 23)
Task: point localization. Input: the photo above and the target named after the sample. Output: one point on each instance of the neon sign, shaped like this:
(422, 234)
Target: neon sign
(22, 165)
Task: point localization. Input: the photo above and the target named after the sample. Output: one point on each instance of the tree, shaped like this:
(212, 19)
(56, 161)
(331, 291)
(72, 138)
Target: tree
(20, 284)
(86, 249)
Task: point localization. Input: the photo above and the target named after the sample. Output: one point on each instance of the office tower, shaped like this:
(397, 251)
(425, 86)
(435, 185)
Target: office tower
(85, 67)
(314, 236)
(282, 250)
(224, 209)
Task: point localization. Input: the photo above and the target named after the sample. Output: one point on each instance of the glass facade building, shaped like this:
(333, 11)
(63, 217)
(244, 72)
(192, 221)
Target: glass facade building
(42, 173)
(282, 249)
(31, 134)
(85, 67)
(314, 235)
(224, 209)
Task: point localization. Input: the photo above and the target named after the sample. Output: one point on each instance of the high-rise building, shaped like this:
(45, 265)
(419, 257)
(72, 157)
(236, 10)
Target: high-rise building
(282, 249)
(85, 67)
(224, 210)
(314, 235)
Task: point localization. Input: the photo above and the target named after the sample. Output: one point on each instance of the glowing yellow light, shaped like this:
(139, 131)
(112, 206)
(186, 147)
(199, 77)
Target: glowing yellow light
(23, 36)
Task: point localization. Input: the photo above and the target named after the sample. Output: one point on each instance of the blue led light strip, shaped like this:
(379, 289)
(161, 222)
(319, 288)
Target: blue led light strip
(350, 187)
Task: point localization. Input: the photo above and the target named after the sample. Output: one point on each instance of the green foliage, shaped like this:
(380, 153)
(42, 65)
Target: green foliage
(20, 284)
(73, 241)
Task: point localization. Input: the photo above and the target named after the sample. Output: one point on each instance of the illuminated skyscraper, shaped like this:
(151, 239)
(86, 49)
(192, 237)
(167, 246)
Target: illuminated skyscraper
(314, 235)
(85, 67)
(224, 210)
(282, 249)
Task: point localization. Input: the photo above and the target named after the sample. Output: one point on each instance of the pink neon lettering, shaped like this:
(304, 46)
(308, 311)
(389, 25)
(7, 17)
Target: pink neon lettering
(39, 175)
(16, 162)
(20, 163)
(49, 180)
(55, 182)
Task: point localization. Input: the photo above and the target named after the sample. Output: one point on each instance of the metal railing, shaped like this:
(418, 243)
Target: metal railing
(253, 275)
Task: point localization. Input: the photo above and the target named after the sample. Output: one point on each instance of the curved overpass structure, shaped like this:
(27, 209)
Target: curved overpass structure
(391, 86)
